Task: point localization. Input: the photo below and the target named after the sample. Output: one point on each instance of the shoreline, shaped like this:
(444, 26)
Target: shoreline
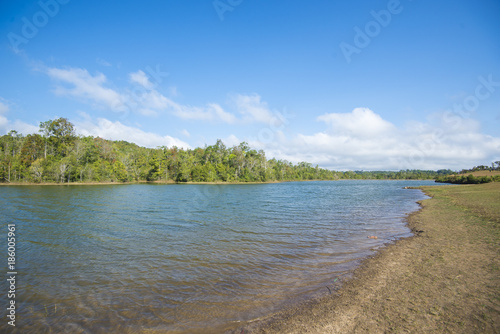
(444, 278)
(170, 182)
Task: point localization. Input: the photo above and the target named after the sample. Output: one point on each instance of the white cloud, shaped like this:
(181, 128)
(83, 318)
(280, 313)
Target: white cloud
(252, 108)
(362, 139)
(141, 78)
(148, 101)
(151, 102)
(4, 108)
(190, 112)
(172, 91)
(231, 140)
(6, 125)
(147, 112)
(143, 99)
(24, 128)
(361, 122)
(219, 113)
(21, 127)
(87, 87)
(211, 112)
(102, 62)
(155, 100)
(107, 129)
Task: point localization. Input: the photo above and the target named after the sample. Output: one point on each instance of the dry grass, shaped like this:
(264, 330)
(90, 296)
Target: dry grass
(482, 173)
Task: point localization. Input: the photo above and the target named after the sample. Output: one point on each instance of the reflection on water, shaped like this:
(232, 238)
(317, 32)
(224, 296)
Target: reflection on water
(188, 258)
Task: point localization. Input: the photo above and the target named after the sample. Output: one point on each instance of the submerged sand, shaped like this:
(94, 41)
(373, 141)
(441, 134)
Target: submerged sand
(444, 279)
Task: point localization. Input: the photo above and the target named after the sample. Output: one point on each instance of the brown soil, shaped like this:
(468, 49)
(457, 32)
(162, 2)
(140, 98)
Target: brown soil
(444, 279)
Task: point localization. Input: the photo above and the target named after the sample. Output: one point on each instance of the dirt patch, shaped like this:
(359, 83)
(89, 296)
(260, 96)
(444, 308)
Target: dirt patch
(444, 279)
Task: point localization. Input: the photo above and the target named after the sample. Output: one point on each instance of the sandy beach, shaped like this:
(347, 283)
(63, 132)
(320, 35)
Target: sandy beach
(444, 279)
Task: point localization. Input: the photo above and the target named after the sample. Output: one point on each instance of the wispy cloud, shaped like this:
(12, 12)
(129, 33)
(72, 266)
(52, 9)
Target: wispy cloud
(4, 108)
(6, 125)
(107, 129)
(144, 98)
(141, 78)
(102, 62)
(81, 84)
(362, 139)
(252, 108)
(249, 109)
(101, 127)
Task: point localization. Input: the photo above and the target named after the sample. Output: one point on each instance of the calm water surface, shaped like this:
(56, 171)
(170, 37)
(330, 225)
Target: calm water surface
(188, 258)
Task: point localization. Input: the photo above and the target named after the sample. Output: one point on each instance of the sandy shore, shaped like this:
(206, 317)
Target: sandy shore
(444, 279)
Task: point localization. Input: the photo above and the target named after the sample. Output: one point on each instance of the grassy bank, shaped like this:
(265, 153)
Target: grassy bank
(476, 177)
(444, 279)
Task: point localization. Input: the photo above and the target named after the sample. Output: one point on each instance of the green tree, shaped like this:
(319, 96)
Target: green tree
(37, 169)
(120, 171)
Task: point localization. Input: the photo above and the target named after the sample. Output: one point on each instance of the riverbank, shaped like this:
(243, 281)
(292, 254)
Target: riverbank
(174, 182)
(445, 278)
(134, 182)
(145, 182)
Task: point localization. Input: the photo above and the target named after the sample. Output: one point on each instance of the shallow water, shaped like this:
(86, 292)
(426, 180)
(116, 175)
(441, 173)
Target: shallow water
(188, 258)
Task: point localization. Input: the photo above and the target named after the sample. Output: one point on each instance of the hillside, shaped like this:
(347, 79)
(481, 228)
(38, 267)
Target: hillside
(471, 177)
(480, 173)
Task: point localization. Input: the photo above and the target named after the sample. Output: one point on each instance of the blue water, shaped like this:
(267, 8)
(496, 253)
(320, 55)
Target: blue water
(188, 258)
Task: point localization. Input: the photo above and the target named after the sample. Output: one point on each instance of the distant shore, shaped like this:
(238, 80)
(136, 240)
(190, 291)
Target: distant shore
(445, 278)
(169, 182)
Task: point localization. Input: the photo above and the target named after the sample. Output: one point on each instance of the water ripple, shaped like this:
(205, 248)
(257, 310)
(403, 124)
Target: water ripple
(184, 258)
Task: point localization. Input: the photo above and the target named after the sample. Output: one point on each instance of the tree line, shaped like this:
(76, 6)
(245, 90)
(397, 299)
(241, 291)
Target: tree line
(466, 176)
(494, 166)
(56, 154)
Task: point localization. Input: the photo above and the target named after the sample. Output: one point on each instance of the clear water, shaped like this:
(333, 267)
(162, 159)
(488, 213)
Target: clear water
(188, 258)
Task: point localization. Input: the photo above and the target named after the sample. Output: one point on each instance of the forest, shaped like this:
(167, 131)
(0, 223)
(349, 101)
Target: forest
(58, 155)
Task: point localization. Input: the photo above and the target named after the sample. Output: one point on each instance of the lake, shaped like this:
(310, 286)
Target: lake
(187, 258)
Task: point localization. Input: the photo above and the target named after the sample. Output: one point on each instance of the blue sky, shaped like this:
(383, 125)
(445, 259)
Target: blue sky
(343, 84)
